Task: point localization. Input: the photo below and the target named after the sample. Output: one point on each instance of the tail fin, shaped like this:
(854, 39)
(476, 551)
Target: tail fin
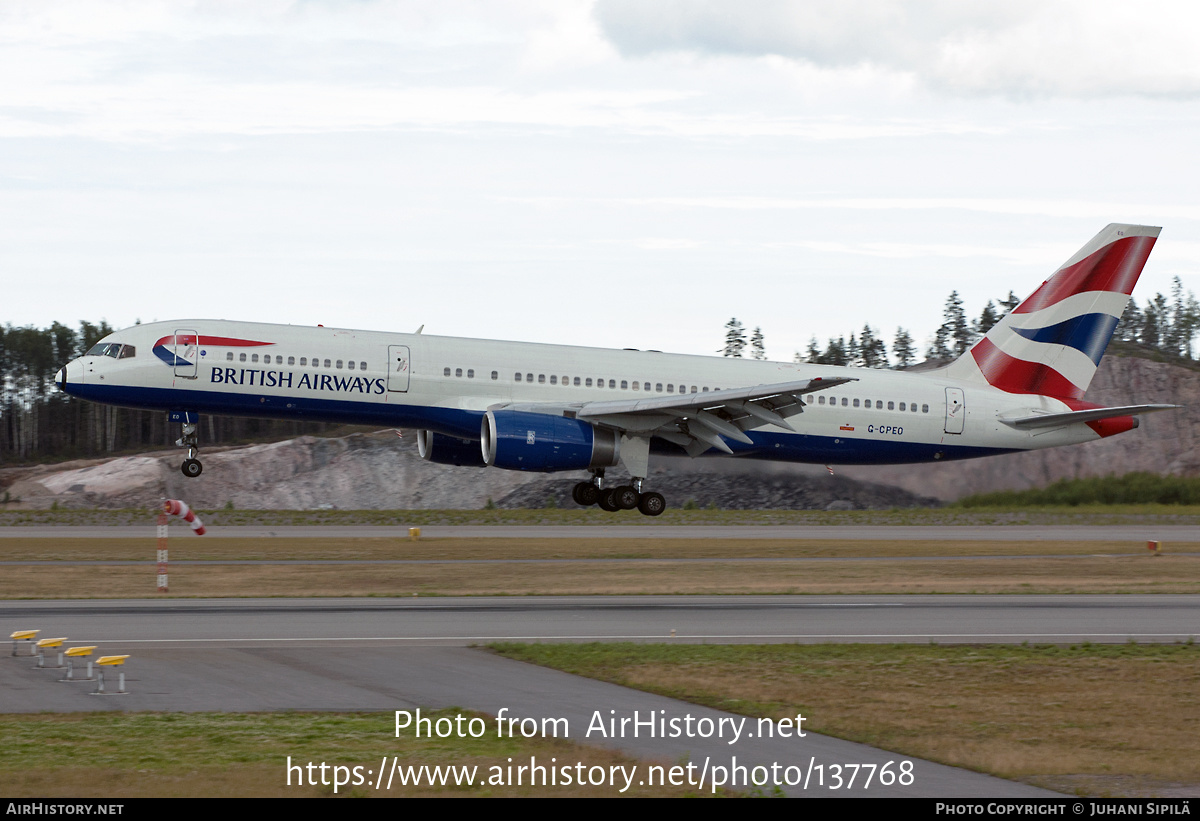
(1052, 342)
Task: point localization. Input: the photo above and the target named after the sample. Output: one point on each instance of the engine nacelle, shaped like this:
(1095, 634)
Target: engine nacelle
(516, 440)
(449, 450)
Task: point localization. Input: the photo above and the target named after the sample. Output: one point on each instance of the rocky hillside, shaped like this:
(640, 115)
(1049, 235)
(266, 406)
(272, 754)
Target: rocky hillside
(383, 471)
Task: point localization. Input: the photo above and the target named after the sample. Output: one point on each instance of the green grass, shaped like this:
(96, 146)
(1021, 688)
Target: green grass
(1098, 719)
(987, 515)
(246, 755)
(1130, 489)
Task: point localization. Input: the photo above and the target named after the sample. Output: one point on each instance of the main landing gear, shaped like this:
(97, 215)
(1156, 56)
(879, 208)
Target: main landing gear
(191, 466)
(626, 497)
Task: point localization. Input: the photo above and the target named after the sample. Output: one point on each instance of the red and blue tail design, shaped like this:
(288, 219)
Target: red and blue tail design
(1052, 342)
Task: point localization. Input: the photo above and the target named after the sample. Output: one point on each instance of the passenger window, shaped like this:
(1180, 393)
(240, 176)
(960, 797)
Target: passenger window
(845, 401)
(637, 386)
(657, 386)
(291, 360)
(516, 377)
(588, 383)
(495, 375)
(304, 360)
(339, 364)
(254, 357)
(612, 383)
(820, 400)
(577, 382)
(553, 379)
(350, 364)
(528, 377)
(891, 405)
(458, 372)
(445, 372)
(326, 363)
(470, 373)
(624, 384)
(902, 407)
(241, 357)
(541, 378)
(856, 403)
(913, 408)
(924, 409)
(670, 388)
(229, 356)
(362, 366)
(566, 380)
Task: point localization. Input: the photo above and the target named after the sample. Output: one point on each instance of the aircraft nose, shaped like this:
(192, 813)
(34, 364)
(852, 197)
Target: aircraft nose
(69, 374)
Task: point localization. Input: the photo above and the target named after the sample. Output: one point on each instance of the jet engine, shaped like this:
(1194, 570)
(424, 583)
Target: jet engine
(449, 450)
(517, 440)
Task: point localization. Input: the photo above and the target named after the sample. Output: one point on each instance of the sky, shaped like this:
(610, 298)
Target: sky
(614, 173)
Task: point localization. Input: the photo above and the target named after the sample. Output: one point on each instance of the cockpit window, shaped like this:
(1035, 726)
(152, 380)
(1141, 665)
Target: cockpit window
(114, 349)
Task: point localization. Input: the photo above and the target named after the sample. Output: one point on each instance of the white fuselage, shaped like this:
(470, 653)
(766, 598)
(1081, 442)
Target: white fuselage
(445, 384)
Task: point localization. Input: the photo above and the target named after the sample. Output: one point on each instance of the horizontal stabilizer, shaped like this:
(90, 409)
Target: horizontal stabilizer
(1053, 420)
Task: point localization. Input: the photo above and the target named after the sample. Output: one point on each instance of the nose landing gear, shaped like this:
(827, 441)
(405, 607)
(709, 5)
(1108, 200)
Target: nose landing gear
(191, 466)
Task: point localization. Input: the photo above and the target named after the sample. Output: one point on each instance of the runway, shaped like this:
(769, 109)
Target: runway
(463, 621)
(400, 654)
(897, 533)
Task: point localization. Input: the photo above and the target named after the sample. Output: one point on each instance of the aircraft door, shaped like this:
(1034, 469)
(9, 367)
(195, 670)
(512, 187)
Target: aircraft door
(187, 353)
(956, 410)
(399, 368)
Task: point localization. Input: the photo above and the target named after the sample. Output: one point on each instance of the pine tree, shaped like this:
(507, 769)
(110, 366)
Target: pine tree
(735, 338)
(958, 332)
(835, 354)
(873, 351)
(1185, 319)
(757, 351)
(1008, 304)
(1129, 328)
(987, 319)
(903, 349)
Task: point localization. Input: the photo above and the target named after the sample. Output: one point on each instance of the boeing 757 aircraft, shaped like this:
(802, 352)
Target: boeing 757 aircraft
(524, 406)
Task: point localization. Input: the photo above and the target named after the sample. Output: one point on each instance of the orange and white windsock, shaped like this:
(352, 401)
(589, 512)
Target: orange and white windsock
(180, 509)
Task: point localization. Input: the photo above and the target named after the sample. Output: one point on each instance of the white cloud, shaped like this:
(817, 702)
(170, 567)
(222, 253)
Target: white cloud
(1020, 48)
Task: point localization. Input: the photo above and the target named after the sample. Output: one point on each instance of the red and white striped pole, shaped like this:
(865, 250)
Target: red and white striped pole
(162, 553)
(180, 509)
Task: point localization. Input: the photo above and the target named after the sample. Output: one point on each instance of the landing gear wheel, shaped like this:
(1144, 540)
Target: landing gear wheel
(585, 493)
(608, 500)
(626, 497)
(652, 504)
(191, 468)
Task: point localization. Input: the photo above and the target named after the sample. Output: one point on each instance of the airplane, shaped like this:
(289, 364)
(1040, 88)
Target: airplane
(546, 408)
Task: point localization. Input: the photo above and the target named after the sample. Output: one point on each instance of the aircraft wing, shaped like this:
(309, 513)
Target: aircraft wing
(1053, 420)
(698, 421)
